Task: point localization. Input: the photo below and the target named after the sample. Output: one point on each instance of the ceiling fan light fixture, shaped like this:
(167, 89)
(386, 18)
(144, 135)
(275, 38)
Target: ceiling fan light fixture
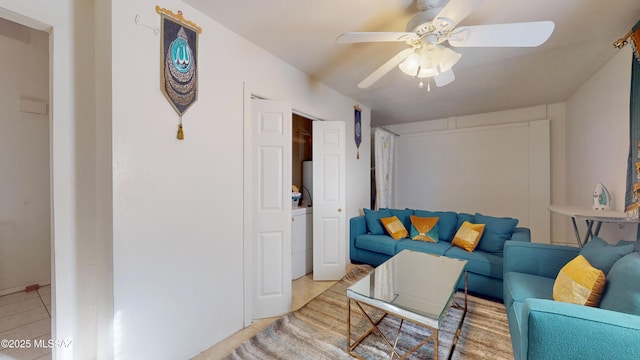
(427, 72)
(447, 58)
(411, 64)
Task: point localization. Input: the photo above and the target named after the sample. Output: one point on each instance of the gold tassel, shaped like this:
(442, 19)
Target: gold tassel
(180, 133)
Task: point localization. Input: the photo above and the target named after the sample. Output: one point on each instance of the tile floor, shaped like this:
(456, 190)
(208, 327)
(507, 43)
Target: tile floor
(303, 290)
(26, 316)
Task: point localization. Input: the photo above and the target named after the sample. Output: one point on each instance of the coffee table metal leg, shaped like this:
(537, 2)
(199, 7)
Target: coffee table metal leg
(464, 314)
(349, 326)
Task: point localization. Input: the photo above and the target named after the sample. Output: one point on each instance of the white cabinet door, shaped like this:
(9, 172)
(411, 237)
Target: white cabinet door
(329, 231)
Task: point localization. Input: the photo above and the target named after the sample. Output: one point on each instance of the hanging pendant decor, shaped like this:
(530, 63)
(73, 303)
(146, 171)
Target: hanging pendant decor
(357, 129)
(178, 62)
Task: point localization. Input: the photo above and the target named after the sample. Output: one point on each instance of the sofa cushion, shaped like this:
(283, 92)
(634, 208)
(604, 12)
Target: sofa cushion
(403, 215)
(635, 243)
(462, 217)
(602, 255)
(497, 231)
(424, 228)
(439, 248)
(373, 220)
(382, 244)
(522, 286)
(478, 262)
(623, 286)
(448, 220)
(394, 227)
(579, 283)
(468, 236)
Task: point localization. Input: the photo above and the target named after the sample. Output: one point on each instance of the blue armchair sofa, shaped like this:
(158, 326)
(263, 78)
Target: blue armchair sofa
(369, 244)
(542, 328)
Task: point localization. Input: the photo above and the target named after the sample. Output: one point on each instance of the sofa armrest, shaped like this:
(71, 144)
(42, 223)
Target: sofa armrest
(537, 259)
(557, 330)
(357, 226)
(521, 234)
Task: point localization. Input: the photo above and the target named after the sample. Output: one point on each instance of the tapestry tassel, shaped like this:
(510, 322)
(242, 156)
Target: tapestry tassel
(180, 132)
(358, 154)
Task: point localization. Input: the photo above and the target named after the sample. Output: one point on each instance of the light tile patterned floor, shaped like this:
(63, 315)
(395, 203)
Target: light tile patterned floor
(26, 317)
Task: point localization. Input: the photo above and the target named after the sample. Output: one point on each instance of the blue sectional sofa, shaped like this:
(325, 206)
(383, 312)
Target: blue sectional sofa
(370, 244)
(544, 329)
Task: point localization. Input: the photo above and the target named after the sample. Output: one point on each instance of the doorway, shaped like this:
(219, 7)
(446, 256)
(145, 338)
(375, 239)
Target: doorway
(302, 196)
(25, 190)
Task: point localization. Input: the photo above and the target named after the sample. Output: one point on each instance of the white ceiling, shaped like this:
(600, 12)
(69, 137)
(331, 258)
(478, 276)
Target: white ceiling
(303, 33)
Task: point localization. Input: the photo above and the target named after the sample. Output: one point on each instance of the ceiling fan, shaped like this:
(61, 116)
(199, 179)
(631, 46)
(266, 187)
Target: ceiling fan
(427, 57)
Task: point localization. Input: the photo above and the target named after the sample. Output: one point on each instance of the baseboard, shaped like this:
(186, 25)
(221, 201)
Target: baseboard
(16, 289)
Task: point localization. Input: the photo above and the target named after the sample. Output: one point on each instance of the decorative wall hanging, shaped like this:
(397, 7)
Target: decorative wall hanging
(632, 191)
(358, 129)
(178, 61)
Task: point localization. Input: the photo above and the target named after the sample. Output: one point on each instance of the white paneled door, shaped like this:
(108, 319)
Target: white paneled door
(270, 209)
(329, 220)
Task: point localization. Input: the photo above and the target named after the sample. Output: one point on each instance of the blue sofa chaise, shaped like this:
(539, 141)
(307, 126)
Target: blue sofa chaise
(370, 244)
(544, 329)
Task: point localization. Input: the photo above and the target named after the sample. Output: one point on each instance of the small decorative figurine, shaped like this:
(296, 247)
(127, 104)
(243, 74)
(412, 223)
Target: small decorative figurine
(601, 198)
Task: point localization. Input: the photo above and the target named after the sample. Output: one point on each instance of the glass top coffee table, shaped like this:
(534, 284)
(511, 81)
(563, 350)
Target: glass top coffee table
(413, 286)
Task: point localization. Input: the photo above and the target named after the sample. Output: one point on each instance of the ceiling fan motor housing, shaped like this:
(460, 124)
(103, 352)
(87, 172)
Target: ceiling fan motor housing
(422, 22)
(423, 5)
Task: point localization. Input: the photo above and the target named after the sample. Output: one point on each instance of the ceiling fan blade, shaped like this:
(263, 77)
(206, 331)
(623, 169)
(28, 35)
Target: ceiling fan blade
(444, 78)
(359, 37)
(385, 68)
(527, 34)
(454, 12)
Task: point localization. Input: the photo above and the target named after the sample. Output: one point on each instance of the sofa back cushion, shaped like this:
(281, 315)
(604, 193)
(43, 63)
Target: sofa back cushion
(623, 286)
(496, 232)
(373, 220)
(602, 255)
(447, 222)
(462, 217)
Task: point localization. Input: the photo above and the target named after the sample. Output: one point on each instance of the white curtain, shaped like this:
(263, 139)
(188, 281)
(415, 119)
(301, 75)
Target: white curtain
(383, 152)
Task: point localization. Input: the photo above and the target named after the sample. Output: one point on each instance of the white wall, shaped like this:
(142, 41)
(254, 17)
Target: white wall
(500, 170)
(177, 205)
(554, 113)
(598, 139)
(25, 236)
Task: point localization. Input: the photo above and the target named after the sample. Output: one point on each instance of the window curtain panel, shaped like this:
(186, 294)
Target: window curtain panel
(384, 143)
(632, 196)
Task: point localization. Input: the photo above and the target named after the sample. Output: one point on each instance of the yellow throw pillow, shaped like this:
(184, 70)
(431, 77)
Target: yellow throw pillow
(468, 236)
(394, 227)
(579, 283)
(424, 228)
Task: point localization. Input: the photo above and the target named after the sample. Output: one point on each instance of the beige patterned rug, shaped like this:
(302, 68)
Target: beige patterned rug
(318, 331)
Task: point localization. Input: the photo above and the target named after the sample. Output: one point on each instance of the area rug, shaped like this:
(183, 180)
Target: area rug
(318, 331)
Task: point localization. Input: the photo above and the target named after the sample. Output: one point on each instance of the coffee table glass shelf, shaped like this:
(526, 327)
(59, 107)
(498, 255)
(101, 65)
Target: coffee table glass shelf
(412, 286)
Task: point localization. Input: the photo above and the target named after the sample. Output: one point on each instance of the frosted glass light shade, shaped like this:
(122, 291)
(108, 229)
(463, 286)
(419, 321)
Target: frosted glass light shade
(447, 58)
(428, 72)
(410, 65)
